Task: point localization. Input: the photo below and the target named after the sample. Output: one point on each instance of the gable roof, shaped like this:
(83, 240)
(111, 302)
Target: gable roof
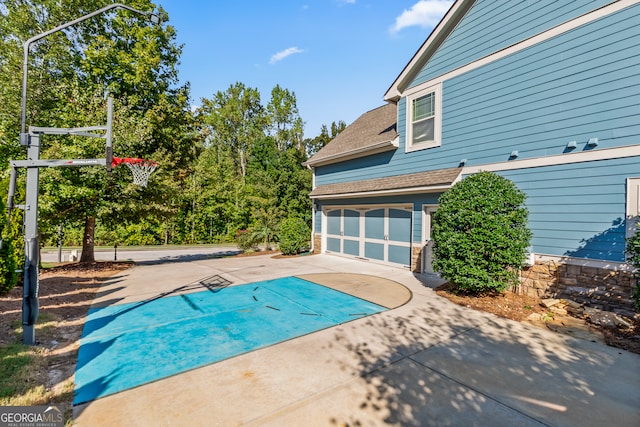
(428, 48)
(373, 132)
(420, 182)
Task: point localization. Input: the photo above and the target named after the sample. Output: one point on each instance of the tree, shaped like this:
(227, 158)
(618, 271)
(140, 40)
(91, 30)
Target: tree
(285, 121)
(313, 145)
(266, 225)
(235, 118)
(69, 73)
(480, 234)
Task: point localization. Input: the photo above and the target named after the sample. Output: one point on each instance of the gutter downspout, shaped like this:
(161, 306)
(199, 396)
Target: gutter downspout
(313, 207)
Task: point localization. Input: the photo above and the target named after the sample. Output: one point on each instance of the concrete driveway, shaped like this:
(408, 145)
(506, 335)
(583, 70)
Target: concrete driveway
(427, 362)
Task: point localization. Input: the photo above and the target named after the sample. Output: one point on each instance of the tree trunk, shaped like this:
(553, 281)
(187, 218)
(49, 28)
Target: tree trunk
(88, 241)
(243, 164)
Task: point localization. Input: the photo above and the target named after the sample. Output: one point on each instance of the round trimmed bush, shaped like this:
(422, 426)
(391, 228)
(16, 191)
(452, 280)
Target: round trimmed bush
(633, 250)
(480, 234)
(293, 236)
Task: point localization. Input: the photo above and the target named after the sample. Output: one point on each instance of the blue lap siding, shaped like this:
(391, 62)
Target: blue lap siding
(578, 210)
(580, 85)
(576, 86)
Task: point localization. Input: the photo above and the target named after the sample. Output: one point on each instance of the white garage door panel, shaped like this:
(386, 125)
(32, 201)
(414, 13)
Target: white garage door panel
(376, 233)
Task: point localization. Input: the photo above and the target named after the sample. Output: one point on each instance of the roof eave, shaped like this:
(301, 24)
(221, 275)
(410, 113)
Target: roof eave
(379, 147)
(428, 48)
(391, 192)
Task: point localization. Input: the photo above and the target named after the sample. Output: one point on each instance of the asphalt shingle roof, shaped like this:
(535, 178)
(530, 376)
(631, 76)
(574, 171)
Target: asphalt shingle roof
(406, 182)
(370, 130)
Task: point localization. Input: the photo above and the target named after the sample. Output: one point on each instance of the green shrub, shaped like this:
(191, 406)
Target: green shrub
(294, 236)
(480, 234)
(8, 275)
(633, 250)
(8, 260)
(246, 240)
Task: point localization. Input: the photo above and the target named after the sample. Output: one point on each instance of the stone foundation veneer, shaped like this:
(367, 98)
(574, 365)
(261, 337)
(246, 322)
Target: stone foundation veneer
(416, 259)
(317, 243)
(606, 287)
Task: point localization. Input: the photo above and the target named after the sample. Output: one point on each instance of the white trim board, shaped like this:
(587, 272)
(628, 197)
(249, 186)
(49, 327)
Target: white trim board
(560, 159)
(399, 191)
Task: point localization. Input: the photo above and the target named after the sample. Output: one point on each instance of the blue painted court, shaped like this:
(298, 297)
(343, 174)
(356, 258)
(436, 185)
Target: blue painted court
(127, 345)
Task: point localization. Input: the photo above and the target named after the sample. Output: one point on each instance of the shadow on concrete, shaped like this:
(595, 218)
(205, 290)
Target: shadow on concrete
(434, 367)
(188, 258)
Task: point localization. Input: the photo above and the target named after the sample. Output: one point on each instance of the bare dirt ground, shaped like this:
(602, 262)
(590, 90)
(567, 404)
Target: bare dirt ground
(524, 308)
(66, 293)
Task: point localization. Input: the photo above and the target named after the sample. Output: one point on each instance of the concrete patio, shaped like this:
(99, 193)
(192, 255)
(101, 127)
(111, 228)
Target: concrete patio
(427, 362)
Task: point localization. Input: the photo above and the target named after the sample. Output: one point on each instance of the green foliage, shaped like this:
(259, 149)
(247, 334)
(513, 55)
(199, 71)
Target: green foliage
(480, 234)
(69, 73)
(313, 145)
(285, 122)
(246, 240)
(294, 236)
(218, 168)
(633, 251)
(8, 276)
(266, 224)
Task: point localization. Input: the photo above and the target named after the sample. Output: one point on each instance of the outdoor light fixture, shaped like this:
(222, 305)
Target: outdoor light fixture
(514, 154)
(593, 142)
(463, 162)
(572, 144)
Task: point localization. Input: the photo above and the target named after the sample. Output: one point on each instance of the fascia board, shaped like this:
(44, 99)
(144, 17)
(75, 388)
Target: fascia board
(428, 48)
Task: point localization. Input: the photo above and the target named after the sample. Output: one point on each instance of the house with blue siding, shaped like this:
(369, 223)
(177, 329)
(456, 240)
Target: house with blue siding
(545, 93)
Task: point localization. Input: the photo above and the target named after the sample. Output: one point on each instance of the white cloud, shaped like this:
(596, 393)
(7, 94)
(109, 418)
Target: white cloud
(284, 53)
(425, 13)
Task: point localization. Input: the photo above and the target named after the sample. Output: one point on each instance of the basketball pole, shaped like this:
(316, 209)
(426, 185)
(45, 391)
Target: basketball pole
(33, 163)
(30, 305)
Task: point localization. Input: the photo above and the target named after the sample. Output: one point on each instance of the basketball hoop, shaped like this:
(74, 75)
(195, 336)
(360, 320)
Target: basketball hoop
(140, 168)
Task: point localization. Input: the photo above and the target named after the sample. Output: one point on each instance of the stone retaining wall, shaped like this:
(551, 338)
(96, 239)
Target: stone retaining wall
(598, 287)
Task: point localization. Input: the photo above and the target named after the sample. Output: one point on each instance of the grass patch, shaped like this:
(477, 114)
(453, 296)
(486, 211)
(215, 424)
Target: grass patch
(14, 370)
(24, 372)
(20, 375)
(47, 265)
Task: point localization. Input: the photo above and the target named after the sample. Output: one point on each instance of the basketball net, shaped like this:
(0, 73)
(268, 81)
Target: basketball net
(140, 169)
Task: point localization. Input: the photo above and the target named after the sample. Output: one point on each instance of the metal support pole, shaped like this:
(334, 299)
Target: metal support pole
(32, 141)
(109, 135)
(155, 19)
(60, 238)
(30, 290)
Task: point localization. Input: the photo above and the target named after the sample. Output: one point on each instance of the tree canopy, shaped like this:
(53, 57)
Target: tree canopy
(234, 164)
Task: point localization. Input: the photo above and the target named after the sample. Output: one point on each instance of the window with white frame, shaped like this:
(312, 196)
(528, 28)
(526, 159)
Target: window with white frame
(424, 118)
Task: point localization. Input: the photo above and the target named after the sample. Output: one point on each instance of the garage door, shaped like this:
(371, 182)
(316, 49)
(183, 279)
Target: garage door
(376, 233)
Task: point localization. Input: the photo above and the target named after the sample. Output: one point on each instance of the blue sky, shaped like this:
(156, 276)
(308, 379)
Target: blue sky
(339, 57)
